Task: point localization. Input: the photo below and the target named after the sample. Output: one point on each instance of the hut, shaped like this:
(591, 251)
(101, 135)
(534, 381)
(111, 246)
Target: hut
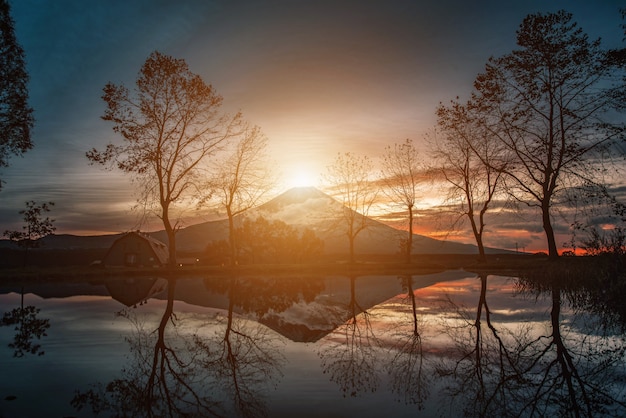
(136, 249)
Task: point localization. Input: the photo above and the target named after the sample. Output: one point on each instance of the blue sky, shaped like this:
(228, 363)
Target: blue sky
(318, 77)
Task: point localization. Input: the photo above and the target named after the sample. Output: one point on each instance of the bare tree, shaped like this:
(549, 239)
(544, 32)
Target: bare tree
(349, 356)
(471, 162)
(550, 104)
(242, 180)
(349, 179)
(171, 124)
(409, 377)
(16, 116)
(402, 173)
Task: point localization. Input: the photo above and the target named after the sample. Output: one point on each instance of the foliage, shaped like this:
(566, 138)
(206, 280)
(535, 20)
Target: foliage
(16, 116)
(606, 242)
(264, 241)
(35, 227)
(171, 124)
(27, 327)
(217, 253)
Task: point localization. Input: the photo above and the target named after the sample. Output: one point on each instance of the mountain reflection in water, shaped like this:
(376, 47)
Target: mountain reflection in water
(446, 344)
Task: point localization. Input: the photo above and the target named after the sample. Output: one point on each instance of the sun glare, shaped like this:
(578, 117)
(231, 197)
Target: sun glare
(301, 178)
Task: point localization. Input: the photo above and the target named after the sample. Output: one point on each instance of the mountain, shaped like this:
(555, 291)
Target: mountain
(300, 207)
(311, 208)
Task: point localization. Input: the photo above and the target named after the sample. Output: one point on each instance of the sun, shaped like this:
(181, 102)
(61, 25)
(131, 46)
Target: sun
(301, 178)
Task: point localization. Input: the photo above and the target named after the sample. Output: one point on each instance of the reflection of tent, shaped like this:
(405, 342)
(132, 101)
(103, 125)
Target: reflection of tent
(136, 249)
(133, 291)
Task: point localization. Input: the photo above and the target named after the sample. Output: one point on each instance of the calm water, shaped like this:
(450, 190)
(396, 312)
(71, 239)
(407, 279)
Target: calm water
(425, 345)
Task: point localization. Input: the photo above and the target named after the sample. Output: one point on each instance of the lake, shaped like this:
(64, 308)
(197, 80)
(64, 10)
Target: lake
(439, 345)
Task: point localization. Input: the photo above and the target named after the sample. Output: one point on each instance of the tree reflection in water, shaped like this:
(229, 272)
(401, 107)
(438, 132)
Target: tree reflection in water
(408, 375)
(176, 374)
(483, 363)
(27, 327)
(568, 370)
(579, 367)
(349, 354)
(245, 358)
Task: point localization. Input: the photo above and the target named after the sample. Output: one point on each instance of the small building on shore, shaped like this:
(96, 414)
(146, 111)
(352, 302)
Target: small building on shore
(136, 249)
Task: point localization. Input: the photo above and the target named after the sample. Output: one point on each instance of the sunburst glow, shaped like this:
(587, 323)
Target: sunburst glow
(302, 178)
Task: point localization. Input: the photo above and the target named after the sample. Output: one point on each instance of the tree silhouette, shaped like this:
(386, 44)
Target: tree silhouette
(471, 162)
(349, 354)
(550, 104)
(16, 116)
(27, 326)
(569, 368)
(171, 124)
(242, 180)
(35, 227)
(162, 379)
(222, 368)
(577, 372)
(408, 374)
(484, 368)
(349, 178)
(243, 359)
(402, 173)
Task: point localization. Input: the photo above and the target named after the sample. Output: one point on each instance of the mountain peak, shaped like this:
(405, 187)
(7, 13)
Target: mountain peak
(296, 195)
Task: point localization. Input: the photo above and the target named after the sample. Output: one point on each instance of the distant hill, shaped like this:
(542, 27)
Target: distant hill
(300, 207)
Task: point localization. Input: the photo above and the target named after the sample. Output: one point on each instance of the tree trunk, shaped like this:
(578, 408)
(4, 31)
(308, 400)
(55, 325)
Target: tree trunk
(478, 236)
(231, 238)
(171, 238)
(409, 242)
(351, 238)
(553, 252)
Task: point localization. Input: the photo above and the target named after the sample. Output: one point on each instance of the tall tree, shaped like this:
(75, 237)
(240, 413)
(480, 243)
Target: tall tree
(171, 124)
(471, 163)
(242, 180)
(549, 104)
(349, 179)
(16, 116)
(402, 173)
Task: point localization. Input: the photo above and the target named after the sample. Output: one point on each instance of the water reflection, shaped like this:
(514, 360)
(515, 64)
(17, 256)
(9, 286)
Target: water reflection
(408, 374)
(349, 356)
(246, 359)
(563, 368)
(579, 366)
(545, 344)
(191, 374)
(27, 326)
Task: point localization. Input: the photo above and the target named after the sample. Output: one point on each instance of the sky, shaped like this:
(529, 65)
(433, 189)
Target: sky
(318, 77)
